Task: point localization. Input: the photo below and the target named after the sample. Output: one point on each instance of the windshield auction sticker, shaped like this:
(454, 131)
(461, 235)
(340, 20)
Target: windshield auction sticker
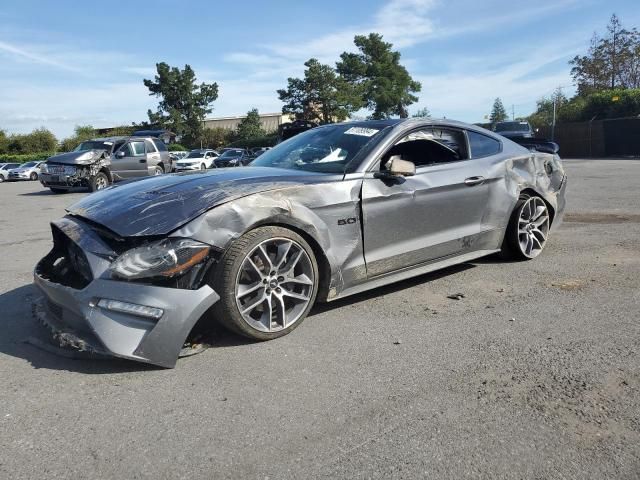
(362, 131)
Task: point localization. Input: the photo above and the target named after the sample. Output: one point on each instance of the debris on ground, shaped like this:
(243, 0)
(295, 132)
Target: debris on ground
(397, 342)
(193, 346)
(512, 319)
(456, 296)
(500, 290)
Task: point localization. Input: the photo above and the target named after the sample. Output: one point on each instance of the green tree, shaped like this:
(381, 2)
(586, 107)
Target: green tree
(321, 96)
(498, 112)
(422, 113)
(4, 142)
(81, 133)
(612, 61)
(215, 137)
(250, 126)
(377, 77)
(184, 104)
(39, 140)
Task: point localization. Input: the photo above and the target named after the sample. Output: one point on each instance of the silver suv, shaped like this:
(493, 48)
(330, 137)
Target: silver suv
(98, 163)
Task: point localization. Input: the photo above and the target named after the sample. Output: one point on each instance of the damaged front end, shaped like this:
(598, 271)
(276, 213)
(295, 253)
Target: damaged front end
(74, 169)
(97, 298)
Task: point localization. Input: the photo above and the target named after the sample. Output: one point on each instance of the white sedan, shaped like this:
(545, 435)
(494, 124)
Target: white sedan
(197, 160)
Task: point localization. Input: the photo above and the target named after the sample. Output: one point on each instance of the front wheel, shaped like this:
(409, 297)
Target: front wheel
(33, 176)
(99, 182)
(528, 229)
(158, 170)
(203, 166)
(267, 282)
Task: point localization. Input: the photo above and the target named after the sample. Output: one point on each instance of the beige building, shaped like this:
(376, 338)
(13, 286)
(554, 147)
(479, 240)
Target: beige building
(270, 121)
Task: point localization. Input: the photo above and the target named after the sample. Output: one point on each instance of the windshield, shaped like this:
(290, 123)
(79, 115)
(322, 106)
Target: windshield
(195, 154)
(231, 154)
(29, 164)
(93, 145)
(328, 149)
(512, 127)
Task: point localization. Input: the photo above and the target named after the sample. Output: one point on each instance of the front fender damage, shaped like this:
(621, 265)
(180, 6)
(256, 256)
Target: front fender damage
(317, 211)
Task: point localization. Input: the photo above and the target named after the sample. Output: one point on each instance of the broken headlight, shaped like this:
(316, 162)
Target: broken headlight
(165, 258)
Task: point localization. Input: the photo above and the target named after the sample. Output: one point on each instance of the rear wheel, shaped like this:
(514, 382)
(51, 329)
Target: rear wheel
(1, 179)
(528, 229)
(99, 182)
(267, 282)
(203, 166)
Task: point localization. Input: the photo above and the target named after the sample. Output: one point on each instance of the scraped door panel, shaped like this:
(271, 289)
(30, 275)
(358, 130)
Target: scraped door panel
(417, 219)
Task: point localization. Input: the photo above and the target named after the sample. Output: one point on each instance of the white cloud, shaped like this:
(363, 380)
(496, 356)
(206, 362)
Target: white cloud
(24, 54)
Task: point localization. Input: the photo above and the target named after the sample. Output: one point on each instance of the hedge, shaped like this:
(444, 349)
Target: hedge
(24, 157)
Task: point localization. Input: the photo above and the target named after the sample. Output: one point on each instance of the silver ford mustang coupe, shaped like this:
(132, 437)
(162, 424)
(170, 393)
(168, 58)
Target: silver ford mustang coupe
(333, 211)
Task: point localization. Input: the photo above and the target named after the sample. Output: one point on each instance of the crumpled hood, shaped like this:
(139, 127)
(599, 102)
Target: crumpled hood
(71, 158)
(158, 205)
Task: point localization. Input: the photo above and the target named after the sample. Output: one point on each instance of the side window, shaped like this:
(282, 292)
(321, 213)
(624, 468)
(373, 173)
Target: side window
(160, 145)
(482, 145)
(150, 147)
(126, 148)
(429, 146)
(138, 148)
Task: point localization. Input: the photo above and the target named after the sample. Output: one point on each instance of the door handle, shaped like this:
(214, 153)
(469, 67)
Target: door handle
(471, 181)
(143, 160)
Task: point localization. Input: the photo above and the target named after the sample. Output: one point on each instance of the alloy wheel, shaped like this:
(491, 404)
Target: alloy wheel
(274, 285)
(533, 227)
(101, 182)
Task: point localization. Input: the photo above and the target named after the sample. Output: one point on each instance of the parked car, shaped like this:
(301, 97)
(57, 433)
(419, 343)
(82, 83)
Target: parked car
(26, 171)
(197, 160)
(4, 170)
(520, 129)
(233, 157)
(334, 211)
(96, 164)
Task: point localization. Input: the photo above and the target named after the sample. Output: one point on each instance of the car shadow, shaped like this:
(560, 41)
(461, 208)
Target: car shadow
(47, 192)
(389, 289)
(19, 329)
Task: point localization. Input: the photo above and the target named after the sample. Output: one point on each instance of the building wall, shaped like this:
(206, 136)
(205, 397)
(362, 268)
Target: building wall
(270, 121)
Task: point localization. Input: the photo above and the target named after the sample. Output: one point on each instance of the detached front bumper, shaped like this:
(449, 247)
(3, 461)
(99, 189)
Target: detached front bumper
(74, 313)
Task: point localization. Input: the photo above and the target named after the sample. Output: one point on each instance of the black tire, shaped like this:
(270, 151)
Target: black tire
(98, 182)
(58, 190)
(159, 170)
(33, 176)
(223, 280)
(1, 179)
(203, 166)
(511, 249)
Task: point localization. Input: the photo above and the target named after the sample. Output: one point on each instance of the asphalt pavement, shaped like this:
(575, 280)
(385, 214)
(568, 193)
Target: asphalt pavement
(534, 373)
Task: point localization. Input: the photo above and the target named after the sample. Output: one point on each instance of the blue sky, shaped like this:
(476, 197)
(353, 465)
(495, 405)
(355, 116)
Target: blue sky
(65, 63)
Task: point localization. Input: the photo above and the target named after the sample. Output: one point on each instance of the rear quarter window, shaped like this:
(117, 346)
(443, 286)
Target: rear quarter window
(160, 145)
(483, 145)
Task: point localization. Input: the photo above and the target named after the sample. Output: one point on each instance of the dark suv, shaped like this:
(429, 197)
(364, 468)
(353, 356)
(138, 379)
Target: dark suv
(97, 163)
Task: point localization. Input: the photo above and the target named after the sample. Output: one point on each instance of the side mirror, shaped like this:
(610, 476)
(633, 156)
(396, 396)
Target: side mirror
(120, 154)
(400, 168)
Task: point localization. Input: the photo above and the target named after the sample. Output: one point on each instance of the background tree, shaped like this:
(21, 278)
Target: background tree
(422, 113)
(4, 142)
(498, 112)
(81, 133)
(612, 61)
(376, 76)
(184, 104)
(39, 140)
(215, 137)
(250, 126)
(321, 96)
